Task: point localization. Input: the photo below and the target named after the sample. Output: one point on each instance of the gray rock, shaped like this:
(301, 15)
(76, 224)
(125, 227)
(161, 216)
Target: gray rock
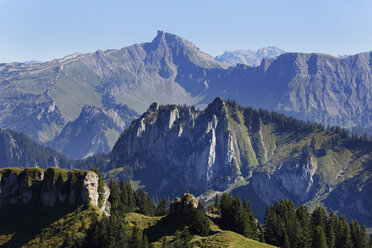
(49, 187)
(183, 207)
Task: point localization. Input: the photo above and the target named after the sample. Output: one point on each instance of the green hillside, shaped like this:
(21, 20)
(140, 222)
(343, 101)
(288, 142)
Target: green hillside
(36, 226)
(219, 238)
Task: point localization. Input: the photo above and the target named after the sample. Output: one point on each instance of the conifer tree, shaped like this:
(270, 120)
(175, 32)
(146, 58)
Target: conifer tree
(199, 221)
(226, 213)
(162, 208)
(271, 227)
(319, 238)
(217, 202)
(303, 217)
(319, 218)
(331, 227)
(251, 221)
(343, 236)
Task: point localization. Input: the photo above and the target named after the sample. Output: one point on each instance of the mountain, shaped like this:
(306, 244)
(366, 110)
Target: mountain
(17, 150)
(263, 156)
(41, 99)
(249, 57)
(94, 131)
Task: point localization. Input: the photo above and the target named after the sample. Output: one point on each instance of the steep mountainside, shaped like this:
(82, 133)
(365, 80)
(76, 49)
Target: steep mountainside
(17, 150)
(40, 99)
(94, 131)
(172, 149)
(249, 57)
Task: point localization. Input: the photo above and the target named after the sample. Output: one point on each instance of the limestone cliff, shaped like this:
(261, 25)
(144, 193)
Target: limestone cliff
(265, 156)
(50, 187)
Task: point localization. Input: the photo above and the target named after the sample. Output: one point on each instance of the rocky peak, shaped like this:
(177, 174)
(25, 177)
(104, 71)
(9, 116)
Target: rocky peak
(216, 107)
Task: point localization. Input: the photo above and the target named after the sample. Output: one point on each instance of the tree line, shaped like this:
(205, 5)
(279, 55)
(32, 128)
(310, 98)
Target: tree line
(290, 227)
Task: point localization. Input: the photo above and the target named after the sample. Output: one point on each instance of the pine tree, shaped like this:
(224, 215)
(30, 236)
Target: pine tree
(319, 218)
(162, 208)
(199, 221)
(319, 238)
(271, 227)
(217, 202)
(331, 227)
(226, 213)
(303, 217)
(251, 221)
(343, 236)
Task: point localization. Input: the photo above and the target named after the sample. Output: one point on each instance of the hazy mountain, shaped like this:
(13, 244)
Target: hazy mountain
(249, 57)
(17, 150)
(40, 99)
(94, 131)
(265, 157)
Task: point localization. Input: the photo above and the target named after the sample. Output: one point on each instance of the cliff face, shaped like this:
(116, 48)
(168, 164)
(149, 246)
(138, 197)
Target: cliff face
(174, 149)
(50, 187)
(197, 147)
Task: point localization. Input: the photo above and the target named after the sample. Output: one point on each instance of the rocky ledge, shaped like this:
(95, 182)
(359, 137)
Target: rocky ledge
(51, 187)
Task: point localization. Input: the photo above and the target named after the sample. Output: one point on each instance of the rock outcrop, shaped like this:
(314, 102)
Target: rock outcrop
(184, 206)
(50, 187)
(198, 144)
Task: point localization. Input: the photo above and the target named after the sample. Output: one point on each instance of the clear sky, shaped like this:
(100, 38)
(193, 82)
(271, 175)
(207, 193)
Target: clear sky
(47, 29)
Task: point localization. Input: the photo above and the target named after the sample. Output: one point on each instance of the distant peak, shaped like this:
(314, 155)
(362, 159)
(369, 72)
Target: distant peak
(218, 100)
(160, 33)
(167, 38)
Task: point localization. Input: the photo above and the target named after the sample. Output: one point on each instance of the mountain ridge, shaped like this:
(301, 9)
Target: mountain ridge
(226, 147)
(42, 98)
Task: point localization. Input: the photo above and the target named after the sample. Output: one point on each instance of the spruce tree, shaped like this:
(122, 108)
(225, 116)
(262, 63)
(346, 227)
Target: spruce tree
(343, 236)
(331, 227)
(271, 227)
(217, 202)
(252, 231)
(303, 216)
(199, 221)
(226, 213)
(162, 208)
(319, 238)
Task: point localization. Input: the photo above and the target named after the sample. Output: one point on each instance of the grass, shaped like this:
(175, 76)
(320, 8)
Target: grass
(225, 239)
(37, 226)
(161, 228)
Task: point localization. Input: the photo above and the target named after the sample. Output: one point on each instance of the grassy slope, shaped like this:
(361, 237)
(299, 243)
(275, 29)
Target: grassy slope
(33, 226)
(157, 229)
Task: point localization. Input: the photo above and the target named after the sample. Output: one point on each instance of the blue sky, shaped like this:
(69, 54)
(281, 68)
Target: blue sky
(47, 29)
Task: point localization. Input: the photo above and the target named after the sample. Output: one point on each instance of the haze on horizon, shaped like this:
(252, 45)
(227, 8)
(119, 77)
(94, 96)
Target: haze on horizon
(44, 30)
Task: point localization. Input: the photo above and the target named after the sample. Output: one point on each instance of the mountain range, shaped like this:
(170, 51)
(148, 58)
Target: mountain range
(249, 57)
(262, 156)
(41, 100)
